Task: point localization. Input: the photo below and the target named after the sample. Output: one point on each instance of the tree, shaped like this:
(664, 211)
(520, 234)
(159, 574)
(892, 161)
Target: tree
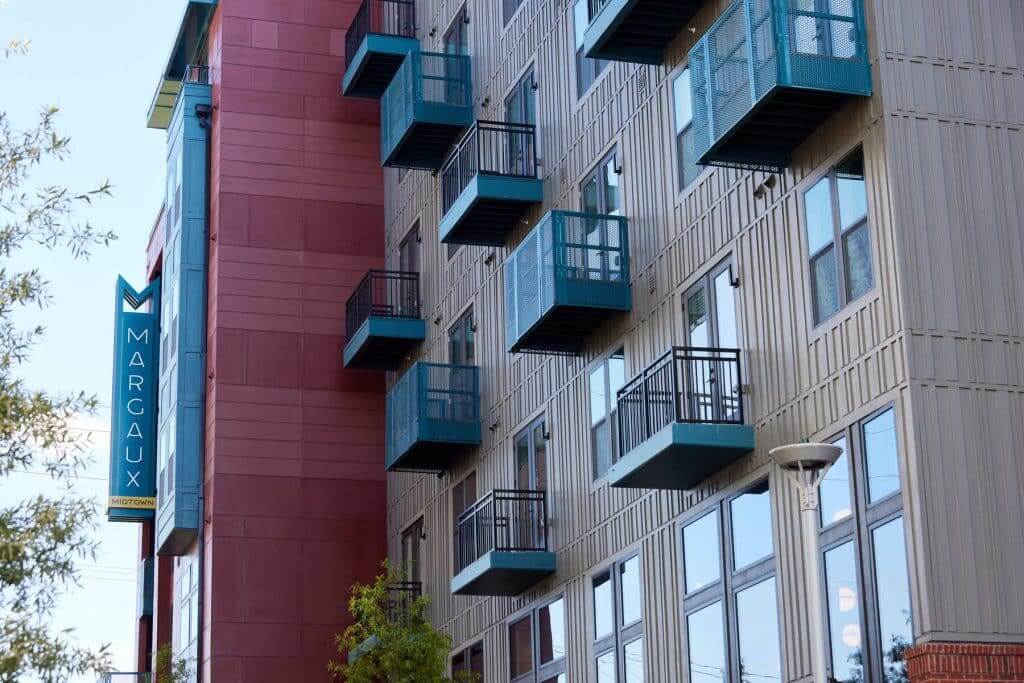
(391, 637)
(41, 537)
(169, 669)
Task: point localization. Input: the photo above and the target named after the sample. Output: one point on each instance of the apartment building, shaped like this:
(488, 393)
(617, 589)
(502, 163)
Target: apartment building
(631, 246)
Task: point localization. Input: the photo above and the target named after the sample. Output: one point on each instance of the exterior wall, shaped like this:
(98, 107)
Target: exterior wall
(954, 107)
(294, 484)
(965, 663)
(805, 382)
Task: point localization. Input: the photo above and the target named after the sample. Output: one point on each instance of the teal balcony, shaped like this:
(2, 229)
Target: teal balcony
(681, 420)
(382, 320)
(425, 110)
(635, 30)
(488, 183)
(502, 544)
(188, 49)
(431, 411)
(569, 275)
(769, 72)
(381, 34)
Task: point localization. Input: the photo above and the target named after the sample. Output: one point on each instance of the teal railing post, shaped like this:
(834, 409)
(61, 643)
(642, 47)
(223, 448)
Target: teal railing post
(751, 74)
(783, 54)
(709, 104)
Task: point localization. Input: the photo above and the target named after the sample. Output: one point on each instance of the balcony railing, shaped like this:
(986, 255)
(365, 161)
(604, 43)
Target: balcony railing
(687, 384)
(385, 17)
(491, 148)
(504, 520)
(400, 597)
(769, 72)
(383, 294)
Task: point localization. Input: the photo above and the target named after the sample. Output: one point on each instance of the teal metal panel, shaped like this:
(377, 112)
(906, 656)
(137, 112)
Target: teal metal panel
(501, 572)
(144, 588)
(484, 187)
(382, 331)
(681, 455)
(758, 49)
(374, 49)
(602, 28)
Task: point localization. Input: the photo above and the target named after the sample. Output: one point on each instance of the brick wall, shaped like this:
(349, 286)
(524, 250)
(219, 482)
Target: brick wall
(965, 663)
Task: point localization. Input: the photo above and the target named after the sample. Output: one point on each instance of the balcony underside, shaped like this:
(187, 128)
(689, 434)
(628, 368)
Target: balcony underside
(438, 443)
(563, 329)
(682, 455)
(426, 141)
(765, 138)
(382, 343)
(374, 65)
(501, 572)
(637, 30)
(488, 209)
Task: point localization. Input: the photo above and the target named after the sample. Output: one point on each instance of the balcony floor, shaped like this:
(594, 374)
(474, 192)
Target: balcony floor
(682, 455)
(438, 453)
(375, 64)
(503, 573)
(562, 330)
(637, 31)
(488, 208)
(381, 343)
(424, 145)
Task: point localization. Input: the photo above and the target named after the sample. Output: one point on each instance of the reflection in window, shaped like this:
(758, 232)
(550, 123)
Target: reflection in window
(706, 653)
(605, 381)
(633, 661)
(701, 552)
(758, 630)
(844, 613)
(603, 606)
(629, 573)
(552, 631)
(751, 526)
(882, 461)
(606, 667)
(618, 612)
(834, 491)
(894, 619)
(520, 646)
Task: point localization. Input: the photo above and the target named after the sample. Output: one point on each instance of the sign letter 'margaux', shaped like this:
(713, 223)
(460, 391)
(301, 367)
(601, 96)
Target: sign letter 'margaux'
(133, 410)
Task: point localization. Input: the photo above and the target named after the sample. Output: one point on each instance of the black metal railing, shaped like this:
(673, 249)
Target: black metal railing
(400, 597)
(594, 7)
(687, 384)
(383, 294)
(387, 17)
(491, 147)
(503, 520)
(197, 73)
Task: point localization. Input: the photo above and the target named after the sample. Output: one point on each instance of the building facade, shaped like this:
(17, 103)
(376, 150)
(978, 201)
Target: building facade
(635, 245)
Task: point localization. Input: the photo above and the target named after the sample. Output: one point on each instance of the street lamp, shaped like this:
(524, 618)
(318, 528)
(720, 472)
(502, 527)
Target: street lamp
(806, 464)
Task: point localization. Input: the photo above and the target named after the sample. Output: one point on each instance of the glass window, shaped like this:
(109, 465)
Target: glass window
(701, 552)
(880, 451)
(633, 661)
(470, 661)
(618, 625)
(606, 669)
(463, 497)
(751, 514)
(758, 633)
(706, 652)
(629, 576)
(838, 241)
(520, 645)
(462, 340)
(546, 662)
(587, 70)
(605, 381)
(604, 606)
(509, 8)
(893, 586)
(551, 629)
(688, 169)
(834, 490)
(843, 606)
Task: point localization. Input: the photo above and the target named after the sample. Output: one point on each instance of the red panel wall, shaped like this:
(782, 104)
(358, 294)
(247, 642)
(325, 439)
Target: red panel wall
(294, 454)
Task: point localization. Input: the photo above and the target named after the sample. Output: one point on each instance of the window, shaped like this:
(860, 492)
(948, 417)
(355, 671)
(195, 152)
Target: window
(587, 69)
(409, 251)
(509, 8)
(730, 597)
(461, 340)
(412, 551)
(605, 381)
(188, 604)
(867, 593)
(531, 457)
(456, 42)
(618, 623)
(838, 242)
(536, 644)
(681, 96)
(521, 107)
(463, 497)
(470, 662)
(600, 189)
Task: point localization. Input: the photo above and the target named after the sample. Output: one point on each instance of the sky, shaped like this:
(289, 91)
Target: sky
(100, 64)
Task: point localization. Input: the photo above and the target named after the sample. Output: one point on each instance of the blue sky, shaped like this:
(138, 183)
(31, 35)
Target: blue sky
(98, 62)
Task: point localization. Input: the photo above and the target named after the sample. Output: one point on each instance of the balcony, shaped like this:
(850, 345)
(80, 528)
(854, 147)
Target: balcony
(488, 182)
(381, 34)
(382, 320)
(568, 275)
(769, 72)
(399, 600)
(188, 47)
(425, 110)
(635, 30)
(502, 544)
(681, 420)
(431, 411)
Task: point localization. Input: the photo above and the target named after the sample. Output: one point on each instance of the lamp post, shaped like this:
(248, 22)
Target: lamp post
(806, 464)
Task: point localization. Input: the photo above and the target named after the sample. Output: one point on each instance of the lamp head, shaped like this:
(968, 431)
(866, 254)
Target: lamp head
(806, 463)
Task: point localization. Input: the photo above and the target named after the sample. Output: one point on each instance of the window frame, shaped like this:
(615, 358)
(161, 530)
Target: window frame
(460, 21)
(706, 281)
(413, 237)
(467, 319)
(460, 486)
(611, 409)
(466, 654)
(525, 87)
(594, 67)
(730, 582)
(599, 172)
(858, 528)
(682, 188)
(539, 672)
(509, 9)
(837, 243)
(409, 531)
(621, 634)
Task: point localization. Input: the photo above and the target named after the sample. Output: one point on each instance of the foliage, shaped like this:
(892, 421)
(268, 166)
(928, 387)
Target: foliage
(41, 537)
(392, 636)
(169, 669)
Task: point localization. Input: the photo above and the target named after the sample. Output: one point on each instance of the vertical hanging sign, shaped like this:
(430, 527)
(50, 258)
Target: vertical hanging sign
(134, 405)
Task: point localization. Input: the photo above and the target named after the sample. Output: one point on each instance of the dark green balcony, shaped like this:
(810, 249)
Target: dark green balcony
(768, 73)
(488, 182)
(431, 411)
(635, 30)
(382, 320)
(381, 34)
(502, 544)
(681, 420)
(425, 110)
(568, 276)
